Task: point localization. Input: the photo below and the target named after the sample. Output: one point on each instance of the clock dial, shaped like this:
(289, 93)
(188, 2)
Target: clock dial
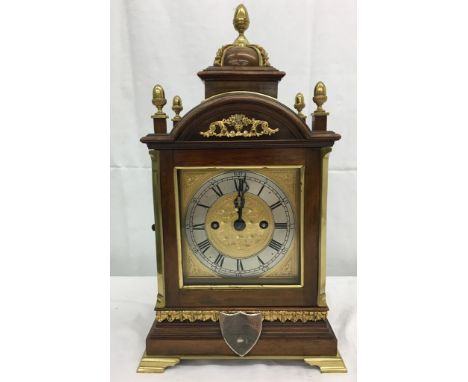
(239, 224)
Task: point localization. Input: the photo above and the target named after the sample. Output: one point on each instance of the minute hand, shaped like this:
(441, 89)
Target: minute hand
(239, 203)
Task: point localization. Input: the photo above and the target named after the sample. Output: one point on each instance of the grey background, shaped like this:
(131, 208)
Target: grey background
(167, 42)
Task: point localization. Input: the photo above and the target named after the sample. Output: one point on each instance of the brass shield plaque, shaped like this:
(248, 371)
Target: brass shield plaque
(240, 330)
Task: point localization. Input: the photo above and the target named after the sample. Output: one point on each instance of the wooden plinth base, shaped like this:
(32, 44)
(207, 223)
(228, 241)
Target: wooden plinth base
(169, 342)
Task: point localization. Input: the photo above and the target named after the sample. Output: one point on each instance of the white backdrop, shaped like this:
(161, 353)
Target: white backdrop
(167, 42)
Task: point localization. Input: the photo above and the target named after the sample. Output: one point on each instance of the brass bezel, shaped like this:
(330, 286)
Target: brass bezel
(240, 286)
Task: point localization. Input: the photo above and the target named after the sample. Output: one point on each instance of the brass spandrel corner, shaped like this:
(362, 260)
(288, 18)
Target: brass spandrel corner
(321, 295)
(161, 299)
(328, 364)
(213, 315)
(151, 364)
(238, 125)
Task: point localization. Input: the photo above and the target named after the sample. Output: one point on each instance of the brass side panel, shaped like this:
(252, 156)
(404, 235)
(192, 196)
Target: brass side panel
(322, 273)
(161, 299)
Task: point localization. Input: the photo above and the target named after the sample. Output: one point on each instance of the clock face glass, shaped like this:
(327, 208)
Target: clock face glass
(240, 226)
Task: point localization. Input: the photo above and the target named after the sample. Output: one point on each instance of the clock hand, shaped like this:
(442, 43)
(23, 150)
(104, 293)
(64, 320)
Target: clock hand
(239, 203)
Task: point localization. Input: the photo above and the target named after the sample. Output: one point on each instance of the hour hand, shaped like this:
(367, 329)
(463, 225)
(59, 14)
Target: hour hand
(239, 203)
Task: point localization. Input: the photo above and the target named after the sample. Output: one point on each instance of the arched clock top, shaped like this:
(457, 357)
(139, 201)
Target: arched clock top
(241, 118)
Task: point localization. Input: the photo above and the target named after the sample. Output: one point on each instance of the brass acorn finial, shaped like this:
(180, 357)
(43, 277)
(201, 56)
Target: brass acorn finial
(177, 108)
(241, 22)
(299, 104)
(159, 100)
(320, 97)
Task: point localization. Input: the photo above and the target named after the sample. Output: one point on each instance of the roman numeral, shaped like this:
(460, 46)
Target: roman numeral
(240, 267)
(281, 225)
(259, 192)
(199, 227)
(261, 261)
(204, 245)
(202, 205)
(217, 190)
(276, 205)
(219, 260)
(275, 245)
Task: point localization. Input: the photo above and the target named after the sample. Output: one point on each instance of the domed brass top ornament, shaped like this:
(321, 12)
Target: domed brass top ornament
(241, 23)
(241, 52)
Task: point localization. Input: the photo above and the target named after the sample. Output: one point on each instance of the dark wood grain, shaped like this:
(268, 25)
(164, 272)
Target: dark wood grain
(192, 298)
(277, 339)
(233, 78)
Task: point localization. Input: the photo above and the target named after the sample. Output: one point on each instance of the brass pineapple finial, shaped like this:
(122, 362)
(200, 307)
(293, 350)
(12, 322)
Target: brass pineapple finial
(299, 104)
(177, 108)
(159, 100)
(241, 22)
(320, 97)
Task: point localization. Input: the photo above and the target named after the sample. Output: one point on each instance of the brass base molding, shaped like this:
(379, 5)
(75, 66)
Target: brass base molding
(213, 315)
(328, 364)
(151, 364)
(158, 364)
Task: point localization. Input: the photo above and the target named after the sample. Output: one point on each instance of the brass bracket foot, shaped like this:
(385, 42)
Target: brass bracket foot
(328, 364)
(150, 364)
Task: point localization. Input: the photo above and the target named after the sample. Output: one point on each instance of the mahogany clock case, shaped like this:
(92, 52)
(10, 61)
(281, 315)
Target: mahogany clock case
(295, 144)
(260, 297)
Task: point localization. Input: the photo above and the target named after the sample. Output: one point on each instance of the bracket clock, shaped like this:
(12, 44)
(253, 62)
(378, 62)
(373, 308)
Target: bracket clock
(240, 197)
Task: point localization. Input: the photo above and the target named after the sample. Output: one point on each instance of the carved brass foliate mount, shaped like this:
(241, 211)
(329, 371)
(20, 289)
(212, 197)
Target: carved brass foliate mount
(237, 125)
(213, 315)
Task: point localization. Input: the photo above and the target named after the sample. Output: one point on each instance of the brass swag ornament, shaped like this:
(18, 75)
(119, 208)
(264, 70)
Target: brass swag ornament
(240, 123)
(240, 204)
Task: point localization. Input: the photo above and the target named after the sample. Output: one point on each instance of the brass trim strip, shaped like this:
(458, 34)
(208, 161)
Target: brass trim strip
(161, 299)
(322, 266)
(213, 315)
(157, 364)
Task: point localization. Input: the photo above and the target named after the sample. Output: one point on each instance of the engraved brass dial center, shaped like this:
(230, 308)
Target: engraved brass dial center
(239, 243)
